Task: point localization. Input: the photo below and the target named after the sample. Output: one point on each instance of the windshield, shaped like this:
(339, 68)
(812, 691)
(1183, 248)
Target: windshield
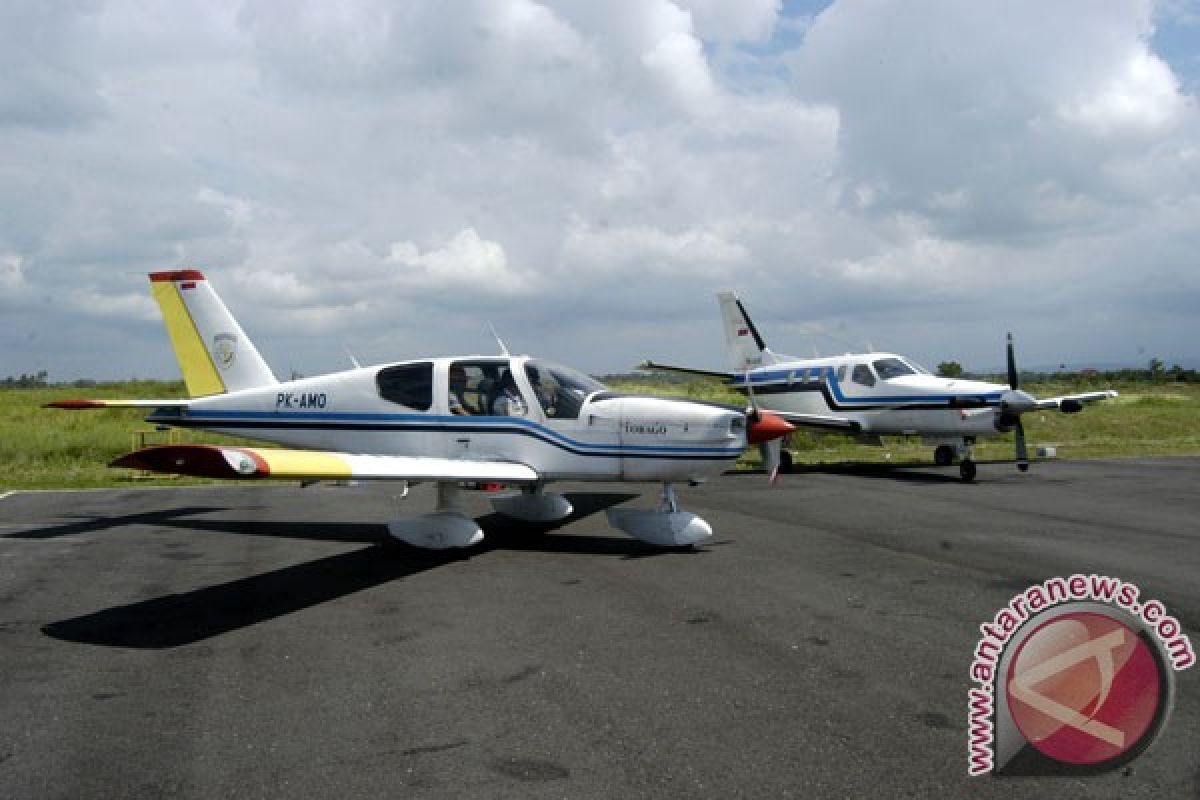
(887, 368)
(920, 370)
(560, 390)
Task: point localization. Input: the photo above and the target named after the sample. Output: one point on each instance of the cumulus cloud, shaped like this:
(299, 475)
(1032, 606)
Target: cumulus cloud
(586, 175)
(644, 249)
(747, 21)
(466, 261)
(942, 101)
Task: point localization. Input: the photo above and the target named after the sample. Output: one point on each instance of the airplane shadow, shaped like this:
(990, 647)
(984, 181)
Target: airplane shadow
(896, 472)
(910, 473)
(92, 524)
(188, 617)
(178, 619)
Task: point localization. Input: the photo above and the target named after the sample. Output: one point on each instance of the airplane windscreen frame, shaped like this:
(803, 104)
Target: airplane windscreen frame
(563, 398)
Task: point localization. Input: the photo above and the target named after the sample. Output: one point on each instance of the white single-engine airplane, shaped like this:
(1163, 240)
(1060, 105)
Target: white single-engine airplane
(868, 395)
(510, 420)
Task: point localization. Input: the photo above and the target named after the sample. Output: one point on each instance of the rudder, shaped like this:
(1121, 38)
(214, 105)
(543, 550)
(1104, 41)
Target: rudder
(213, 351)
(746, 347)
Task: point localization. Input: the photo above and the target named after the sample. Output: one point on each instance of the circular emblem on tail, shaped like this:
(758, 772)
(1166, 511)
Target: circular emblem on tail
(224, 350)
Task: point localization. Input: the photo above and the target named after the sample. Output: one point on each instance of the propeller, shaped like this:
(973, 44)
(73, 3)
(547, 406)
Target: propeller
(1018, 428)
(767, 431)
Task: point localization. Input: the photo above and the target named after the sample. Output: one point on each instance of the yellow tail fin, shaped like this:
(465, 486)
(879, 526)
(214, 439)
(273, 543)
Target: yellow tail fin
(214, 354)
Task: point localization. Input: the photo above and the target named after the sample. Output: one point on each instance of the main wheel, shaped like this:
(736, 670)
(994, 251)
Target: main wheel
(943, 456)
(966, 470)
(785, 462)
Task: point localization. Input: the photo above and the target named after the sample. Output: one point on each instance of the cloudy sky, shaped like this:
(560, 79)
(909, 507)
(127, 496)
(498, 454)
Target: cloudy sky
(388, 178)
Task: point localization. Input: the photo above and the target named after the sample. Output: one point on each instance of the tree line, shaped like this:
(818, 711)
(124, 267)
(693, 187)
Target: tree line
(1154, 372)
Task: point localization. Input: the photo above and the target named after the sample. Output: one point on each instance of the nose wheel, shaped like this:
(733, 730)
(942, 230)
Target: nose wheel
(966, 470)
(966, 467)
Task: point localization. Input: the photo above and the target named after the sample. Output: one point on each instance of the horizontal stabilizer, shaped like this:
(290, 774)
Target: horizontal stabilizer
(220, 461)
(80, 405)
(653, 365)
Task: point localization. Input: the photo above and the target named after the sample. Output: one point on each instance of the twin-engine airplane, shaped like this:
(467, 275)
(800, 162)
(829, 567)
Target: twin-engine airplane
(511, 420)
(868, 395)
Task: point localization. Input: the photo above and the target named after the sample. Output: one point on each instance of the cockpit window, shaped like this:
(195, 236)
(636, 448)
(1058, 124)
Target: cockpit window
(560, 390)
(409, 385)
(887, 368)
(485, 387)
(862, 374)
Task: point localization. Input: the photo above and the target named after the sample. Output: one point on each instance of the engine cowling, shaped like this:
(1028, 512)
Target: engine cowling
(1006, 422)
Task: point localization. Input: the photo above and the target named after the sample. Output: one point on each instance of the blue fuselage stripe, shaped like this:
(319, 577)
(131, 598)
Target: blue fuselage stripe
(799, 379)
(299, 420)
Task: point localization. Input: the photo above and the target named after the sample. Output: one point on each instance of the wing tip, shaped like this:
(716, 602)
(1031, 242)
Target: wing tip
(196, 460)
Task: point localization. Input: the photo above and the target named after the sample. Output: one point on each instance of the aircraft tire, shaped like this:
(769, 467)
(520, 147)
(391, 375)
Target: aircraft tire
(966, 471)
(785, 462)
(943, 456)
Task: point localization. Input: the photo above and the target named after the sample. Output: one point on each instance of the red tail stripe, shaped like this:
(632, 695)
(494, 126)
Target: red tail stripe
(177, 275)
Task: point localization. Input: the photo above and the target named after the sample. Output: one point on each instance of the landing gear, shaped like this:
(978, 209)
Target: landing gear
(946, 454)
(446, 527)
(943, 456)
(785, 462)
(533, 505)
(665, 526)
(966, 470)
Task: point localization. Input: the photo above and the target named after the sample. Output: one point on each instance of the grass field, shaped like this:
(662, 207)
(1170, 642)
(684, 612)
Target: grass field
(48, 448)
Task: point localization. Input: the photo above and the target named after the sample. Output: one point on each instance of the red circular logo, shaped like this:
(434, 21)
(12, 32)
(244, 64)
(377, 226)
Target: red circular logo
(1085, 688)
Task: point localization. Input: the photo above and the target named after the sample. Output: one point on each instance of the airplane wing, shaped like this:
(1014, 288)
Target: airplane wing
(819, 421)
(687, 370)
(224, 461)
(1074, 402)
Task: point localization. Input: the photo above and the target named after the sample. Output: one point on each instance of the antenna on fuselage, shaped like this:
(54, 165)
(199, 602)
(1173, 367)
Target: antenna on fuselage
(350, 355)
(499, 341)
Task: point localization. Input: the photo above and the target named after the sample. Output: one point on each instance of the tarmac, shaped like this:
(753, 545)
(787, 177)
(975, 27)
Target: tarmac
(266, 641)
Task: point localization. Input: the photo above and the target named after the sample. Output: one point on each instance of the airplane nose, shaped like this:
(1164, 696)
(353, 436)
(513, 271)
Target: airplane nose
(767, 427)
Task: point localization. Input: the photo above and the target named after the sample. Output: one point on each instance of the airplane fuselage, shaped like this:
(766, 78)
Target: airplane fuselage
(863, 388)
(569, 427)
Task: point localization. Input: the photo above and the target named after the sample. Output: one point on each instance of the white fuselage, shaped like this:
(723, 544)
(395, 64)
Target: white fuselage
(879, 401)
(571, 428)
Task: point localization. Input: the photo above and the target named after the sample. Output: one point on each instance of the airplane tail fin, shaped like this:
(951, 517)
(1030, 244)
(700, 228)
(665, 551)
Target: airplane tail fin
(213, 351)
(746, 346)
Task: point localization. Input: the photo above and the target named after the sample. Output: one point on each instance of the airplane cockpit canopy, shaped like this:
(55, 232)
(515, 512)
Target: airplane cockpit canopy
(887, 368)
(560, 390)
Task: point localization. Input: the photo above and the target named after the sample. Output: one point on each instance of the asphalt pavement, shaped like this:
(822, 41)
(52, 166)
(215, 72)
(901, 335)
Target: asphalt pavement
(267, 641)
